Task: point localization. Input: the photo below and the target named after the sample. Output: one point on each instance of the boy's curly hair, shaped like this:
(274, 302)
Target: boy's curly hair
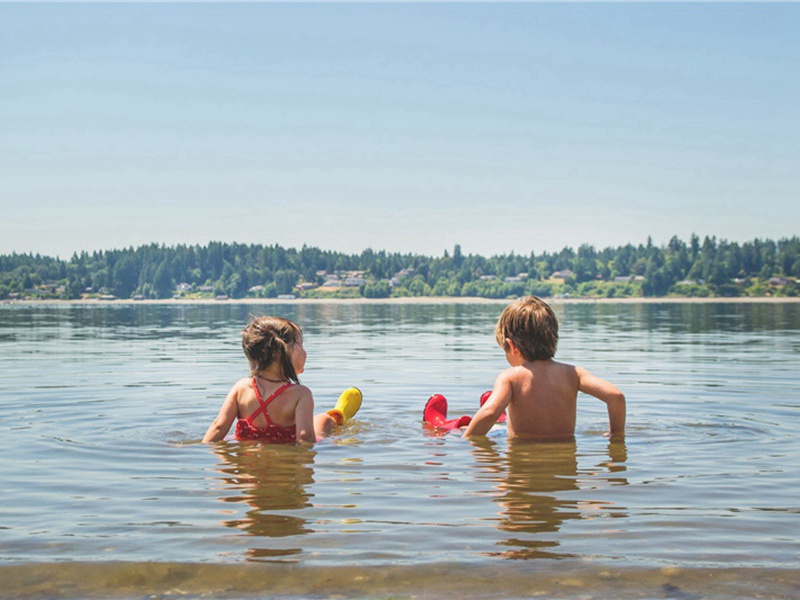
(267, 339)
(533, 327)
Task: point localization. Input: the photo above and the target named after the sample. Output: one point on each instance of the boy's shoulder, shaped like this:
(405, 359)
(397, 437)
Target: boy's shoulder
(539, 367)
(562, 365)
(515, 374)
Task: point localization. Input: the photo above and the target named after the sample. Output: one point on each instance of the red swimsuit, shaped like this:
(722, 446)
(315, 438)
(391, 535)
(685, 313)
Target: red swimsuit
(246, 430)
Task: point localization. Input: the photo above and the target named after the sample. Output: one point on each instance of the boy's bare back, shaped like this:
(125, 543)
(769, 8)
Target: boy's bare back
(541, 400)
(539, 393)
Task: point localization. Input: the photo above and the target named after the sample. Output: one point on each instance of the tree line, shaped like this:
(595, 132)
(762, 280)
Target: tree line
(707, 267)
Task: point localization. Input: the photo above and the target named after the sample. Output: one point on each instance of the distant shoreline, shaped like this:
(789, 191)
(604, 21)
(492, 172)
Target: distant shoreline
(409, 300)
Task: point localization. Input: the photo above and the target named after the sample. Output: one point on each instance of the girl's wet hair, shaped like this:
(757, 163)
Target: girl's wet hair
(269, 339)
(533, 327)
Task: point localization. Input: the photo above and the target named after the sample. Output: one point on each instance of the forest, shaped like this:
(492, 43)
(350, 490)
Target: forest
(707, 268)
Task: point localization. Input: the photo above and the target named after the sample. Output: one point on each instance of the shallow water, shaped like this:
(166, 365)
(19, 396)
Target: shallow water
(101, 409)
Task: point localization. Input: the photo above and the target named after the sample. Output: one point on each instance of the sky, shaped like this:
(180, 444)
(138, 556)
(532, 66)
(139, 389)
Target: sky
(411, 127)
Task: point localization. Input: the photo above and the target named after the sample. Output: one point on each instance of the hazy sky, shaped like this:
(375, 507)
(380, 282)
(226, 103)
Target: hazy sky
(404, 127)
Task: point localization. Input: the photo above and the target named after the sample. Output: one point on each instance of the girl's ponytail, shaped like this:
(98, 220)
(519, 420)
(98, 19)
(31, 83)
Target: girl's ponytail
(269, 339)
(285, 357)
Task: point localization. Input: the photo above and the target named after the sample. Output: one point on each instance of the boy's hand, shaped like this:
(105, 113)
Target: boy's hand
(608, 393)
(492, 409)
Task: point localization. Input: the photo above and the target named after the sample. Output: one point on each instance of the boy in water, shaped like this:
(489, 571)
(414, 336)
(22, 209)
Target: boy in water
(539, 393)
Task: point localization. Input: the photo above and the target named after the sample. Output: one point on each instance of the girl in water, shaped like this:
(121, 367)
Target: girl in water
(271, 406)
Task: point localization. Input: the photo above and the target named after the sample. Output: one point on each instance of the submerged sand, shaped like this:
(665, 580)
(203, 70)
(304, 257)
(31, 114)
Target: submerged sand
(568, 580)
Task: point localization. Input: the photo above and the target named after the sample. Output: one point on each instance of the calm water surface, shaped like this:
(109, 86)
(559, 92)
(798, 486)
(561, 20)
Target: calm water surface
(107, 492)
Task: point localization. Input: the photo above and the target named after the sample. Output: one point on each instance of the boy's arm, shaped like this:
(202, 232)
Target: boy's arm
(494, 406)
(222, 424)
(304, 417)
(608, 393)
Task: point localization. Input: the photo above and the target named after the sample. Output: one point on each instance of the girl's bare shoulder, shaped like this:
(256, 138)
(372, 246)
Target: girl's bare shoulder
(301, 391)
(241, 386)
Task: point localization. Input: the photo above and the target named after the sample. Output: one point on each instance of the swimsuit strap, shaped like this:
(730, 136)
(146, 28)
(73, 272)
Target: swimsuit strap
(263, 404)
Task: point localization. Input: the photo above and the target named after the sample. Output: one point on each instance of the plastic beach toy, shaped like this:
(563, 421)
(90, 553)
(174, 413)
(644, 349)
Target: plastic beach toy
(435, 414)
(347, 405)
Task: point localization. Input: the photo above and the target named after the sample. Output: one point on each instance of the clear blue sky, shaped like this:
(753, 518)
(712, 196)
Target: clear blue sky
(405, 127)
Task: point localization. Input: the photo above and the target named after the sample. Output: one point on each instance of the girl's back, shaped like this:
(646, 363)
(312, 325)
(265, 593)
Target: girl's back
(281, 409)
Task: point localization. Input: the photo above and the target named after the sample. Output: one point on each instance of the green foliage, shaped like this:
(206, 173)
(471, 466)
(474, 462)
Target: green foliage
(342, 293)
(285, 280)
(379, 289)
(707, 267)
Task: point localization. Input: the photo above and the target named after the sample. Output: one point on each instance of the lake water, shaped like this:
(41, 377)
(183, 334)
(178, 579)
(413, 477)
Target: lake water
(106, 491)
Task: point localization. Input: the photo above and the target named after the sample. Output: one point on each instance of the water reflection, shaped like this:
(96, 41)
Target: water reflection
(539, 485)
(682, 318)
(327, 319)
(273, 480)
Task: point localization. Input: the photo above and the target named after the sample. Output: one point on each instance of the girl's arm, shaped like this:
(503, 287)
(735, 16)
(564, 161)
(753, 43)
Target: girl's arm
(227, 414)
(494, 406)
(304, 417)
(608, 393)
